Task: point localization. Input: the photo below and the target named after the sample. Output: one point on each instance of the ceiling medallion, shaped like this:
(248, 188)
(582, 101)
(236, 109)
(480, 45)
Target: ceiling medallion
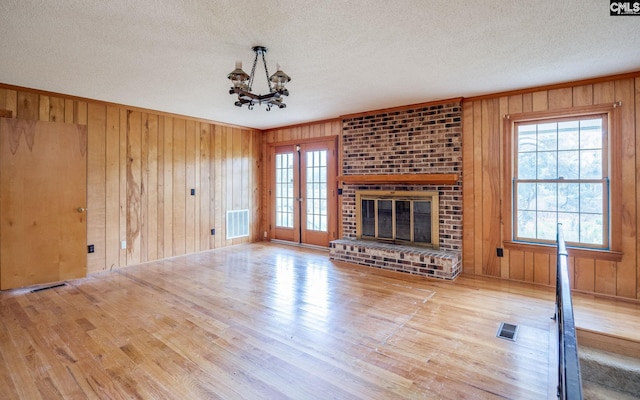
(242, 84)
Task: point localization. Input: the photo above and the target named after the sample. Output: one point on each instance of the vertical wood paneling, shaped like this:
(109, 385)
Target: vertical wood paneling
(196, 185)
(540, 101)
(28, 106)
(56, 109)
(80, 113)
(112, 188)
(190, 183)
(168, 187)
(477, 186)
(585, 274)
(503, 154)
(627, 268)
(529, 263)
(583, 95)
(152, 187)
(216, 221)
(572, 271)
(141, 167)
(161, 189)
(560, 98)
(144, 186)
(527, 102)
(122, 177)
(491, 186)
(69, 110)
(43, 114)
(468, 203)
(637, 127)
(605, 277)
(235, 164)
(9, 101)
(516, 270)
(604, 92)
(227, 184)
(134, 186)
(96, 187)
(541, 268)
(206, 194)
(179, 186)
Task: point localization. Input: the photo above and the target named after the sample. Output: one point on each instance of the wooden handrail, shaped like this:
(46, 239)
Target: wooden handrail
(569, 379)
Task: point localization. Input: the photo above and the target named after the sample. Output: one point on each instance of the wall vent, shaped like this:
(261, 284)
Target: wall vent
(237, 224)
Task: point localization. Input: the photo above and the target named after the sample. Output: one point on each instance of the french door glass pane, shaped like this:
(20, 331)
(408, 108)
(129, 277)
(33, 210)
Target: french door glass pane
(317, 190)
(284, 190)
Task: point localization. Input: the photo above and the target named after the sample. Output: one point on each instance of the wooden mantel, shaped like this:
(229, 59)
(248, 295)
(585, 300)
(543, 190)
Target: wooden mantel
(403, 179)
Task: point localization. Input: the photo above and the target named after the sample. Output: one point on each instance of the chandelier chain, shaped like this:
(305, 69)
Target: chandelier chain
(266, 71)
(253, 71)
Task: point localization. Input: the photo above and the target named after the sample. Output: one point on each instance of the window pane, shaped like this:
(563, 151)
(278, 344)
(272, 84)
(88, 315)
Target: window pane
(547, 224)
(570, 226)
(591, 198)
(527, 224)
(547, 165)
(547, 196)
(591, 134)
(548, 137)
(527, 138)
(591, 229)
(527, 166)
(569, 164)
(568, 138)
(590, 164)
(526, 196)
(569, 197)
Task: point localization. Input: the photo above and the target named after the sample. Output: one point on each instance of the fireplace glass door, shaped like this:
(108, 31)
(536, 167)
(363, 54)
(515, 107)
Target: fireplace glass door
(399, 218)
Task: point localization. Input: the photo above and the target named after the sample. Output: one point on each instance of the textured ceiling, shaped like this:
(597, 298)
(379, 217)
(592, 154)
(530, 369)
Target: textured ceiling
(343, 56)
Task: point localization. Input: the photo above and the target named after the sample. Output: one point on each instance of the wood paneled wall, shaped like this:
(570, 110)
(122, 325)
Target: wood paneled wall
(141, 168)
(484, 199)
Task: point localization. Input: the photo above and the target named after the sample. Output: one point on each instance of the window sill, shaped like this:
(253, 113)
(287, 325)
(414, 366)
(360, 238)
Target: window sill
(606, 255)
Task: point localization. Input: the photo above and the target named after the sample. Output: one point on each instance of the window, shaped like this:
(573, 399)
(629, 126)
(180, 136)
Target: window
(561, 175)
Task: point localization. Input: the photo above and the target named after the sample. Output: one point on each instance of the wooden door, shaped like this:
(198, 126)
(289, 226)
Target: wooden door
(43, 177)
(318, 193)
(303, 192)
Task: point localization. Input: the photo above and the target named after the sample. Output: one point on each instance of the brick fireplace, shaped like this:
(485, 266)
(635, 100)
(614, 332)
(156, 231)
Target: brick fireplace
(416, 149)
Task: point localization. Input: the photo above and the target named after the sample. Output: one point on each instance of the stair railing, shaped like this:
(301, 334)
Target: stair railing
(569, 379)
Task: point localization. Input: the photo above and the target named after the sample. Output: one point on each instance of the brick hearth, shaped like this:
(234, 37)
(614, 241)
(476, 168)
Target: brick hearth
(409, 259)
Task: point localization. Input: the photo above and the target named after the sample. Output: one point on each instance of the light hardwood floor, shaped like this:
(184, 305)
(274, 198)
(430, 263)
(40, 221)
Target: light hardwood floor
(269, 321)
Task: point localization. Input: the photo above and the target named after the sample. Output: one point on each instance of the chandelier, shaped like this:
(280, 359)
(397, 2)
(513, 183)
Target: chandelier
(243, 83)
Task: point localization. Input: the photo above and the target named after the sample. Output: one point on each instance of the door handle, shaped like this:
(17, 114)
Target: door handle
(81, 209)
